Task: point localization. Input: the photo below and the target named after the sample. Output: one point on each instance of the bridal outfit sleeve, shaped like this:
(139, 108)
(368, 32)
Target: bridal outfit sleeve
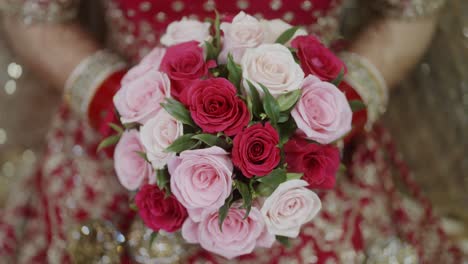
(73, 188)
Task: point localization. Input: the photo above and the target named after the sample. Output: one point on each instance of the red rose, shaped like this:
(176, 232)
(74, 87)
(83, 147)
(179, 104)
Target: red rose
(316, 59)
(184, 63)
(319, 163)
(215, 107)
(158, 212)
(255, 151)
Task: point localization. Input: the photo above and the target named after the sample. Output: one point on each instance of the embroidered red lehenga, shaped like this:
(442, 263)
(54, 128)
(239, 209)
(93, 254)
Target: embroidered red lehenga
(74, 210)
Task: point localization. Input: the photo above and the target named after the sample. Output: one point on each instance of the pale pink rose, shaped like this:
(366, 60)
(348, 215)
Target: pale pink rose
(273, 66)
(186, 30)
(201, 179)
(157, 134)
(244, 32)
(274, 28)
(140, 99)
(238, 237)
(152, 61)
(322, 113)
(132, 170)
(289, 207)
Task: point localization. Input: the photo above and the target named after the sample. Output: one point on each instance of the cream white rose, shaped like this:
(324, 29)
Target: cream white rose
(157, 134)
(186, 30)
(274, 28)
(289, 207)
(273, 66)
(244, 32)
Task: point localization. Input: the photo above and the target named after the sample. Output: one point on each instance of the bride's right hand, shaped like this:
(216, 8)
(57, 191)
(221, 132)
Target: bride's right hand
(50, 50)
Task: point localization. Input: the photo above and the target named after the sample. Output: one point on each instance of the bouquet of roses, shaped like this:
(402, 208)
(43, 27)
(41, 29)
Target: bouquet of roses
(228, 129)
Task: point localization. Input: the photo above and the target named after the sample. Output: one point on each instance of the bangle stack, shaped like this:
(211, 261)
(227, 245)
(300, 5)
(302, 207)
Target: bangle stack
(367, 81)
(87, 78)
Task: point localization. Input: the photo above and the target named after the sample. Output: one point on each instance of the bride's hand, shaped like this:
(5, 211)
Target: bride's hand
(394, 46)
(50, 50)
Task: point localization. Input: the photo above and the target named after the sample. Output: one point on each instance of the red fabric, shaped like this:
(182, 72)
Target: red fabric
(229, 8)
(359, 117)
(101, 109)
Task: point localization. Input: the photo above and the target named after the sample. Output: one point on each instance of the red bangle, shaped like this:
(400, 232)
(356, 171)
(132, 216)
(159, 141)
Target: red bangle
(101, 110)
(359, 117)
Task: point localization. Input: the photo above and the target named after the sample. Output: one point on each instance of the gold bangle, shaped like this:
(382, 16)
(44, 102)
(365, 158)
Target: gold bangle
(407, 9)
(33, 11)
(366, 79)
(87, 77)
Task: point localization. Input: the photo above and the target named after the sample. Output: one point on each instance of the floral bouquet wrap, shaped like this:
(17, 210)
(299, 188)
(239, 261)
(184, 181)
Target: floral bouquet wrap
(229, 129)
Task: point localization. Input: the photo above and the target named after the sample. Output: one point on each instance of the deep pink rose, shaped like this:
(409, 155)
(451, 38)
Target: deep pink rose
(255, 150)
(157, 211)
(319, 163)
(201, 179)
(215, 107)
(132, 170)
(316, 59)
(322, 113)
(184, 63)
(238, 237)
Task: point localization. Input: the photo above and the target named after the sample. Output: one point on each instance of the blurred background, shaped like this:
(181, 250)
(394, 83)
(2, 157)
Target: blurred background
(427, 115)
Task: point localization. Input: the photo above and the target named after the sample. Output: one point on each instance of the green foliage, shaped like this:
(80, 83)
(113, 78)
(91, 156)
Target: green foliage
(357, 105)
(270, 182)
(107, 142)
(223, 210)
(178, 111)
(182, 143)
(246, 194)
(286, 35)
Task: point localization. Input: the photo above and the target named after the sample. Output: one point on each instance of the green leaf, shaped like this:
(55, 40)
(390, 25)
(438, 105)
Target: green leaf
(284, 241)
(182, 143)
(338, 78)
(107, 142)
(286, 130)
(235, 72)
(270, 105)
(133, 207)
(253, 101)
(288, 100)
(142, 155)
(162, 178)
(342, 168)
(212, 140)
(223, 211)
(283, 118)
(153, 236)
(178, 111)
(116, 128)
(293, 176)
(286, 35)
(246, 194)
(270, 182)
(357, 105)
(211, 53)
